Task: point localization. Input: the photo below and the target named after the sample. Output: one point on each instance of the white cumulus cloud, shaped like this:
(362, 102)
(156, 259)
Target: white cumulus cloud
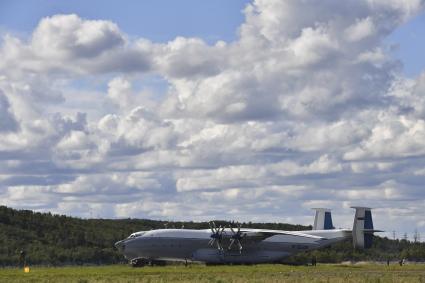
(304, 108)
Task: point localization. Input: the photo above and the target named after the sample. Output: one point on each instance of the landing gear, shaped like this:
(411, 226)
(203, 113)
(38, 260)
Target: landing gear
(139, 262)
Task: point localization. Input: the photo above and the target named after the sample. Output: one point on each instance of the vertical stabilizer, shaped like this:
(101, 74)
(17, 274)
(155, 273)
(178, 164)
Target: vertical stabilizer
(322, 219)
(363, 228)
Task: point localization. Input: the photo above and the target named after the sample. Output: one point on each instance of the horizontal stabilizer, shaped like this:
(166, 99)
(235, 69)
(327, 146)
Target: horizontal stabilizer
(372, 231)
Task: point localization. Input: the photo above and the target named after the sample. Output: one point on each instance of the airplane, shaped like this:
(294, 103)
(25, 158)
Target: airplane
(229, 245)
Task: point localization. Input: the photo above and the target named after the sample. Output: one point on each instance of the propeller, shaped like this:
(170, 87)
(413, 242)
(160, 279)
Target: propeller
(216, 236)
(236, 238)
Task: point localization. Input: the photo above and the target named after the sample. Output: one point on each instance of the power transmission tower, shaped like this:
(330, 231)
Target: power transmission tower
(416, 236)
(405, 236)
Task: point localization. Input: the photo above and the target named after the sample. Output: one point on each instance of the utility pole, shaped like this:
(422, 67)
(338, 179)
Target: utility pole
(393, 234)
(405, 236)
(415, 236)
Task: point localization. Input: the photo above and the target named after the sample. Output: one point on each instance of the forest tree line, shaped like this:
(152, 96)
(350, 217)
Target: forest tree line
(49, 239)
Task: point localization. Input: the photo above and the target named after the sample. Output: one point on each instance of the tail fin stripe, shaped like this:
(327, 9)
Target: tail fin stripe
(368, 223)
(328, 221)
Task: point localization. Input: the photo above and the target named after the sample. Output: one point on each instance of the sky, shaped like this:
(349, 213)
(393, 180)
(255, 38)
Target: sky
(239, 110)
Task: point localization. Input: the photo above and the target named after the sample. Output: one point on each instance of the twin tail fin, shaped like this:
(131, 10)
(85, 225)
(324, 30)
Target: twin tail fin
(363, 228)
(323, 219)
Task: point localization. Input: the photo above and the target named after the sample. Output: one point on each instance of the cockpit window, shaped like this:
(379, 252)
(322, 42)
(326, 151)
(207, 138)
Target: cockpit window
(135, 235)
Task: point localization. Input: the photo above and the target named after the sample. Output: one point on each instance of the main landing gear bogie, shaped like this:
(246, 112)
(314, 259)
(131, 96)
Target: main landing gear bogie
(141, 262)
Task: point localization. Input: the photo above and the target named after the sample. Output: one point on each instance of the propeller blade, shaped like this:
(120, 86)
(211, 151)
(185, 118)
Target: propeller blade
(211, 227)
(240, 246)
(216, 236)
(231, 244)
(219, 246)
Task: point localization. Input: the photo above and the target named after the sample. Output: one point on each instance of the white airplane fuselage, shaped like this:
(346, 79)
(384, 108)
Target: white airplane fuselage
(259, 246)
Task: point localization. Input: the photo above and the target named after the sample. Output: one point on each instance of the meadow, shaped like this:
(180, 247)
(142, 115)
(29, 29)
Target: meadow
(200, 273)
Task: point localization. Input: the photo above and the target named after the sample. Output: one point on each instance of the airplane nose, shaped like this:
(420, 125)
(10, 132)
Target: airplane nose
(120, 245)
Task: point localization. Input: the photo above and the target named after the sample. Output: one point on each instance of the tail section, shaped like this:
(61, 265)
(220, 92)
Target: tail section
(323, 219)
(363, 228)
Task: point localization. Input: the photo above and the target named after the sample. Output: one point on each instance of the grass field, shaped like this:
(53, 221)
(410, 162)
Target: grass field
(200, 274)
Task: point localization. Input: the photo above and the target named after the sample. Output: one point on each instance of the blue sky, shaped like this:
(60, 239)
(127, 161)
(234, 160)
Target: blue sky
(410, 41)
(158, 20)
(257, 110)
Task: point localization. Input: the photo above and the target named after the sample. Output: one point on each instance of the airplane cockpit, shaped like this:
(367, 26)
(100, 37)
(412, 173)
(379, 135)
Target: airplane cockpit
(136, 235)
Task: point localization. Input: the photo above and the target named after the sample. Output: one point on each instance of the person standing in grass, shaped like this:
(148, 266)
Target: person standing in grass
(314, 261)
(22, 258)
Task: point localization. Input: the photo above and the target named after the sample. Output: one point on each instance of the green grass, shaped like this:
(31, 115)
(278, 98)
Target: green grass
(200, 273)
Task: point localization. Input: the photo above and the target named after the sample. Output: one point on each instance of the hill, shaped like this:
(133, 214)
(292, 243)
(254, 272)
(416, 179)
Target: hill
(59, 240)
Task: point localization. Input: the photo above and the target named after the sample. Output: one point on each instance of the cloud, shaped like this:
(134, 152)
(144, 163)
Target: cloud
(7, 119)
(361, 29)
(306, 107)
(119, 91)
(308, 67)
(71, 37)
(69, 44)
(190, 57)
(392, 137)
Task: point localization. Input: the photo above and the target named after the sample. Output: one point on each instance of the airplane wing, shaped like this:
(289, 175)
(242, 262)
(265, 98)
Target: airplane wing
(261, 234)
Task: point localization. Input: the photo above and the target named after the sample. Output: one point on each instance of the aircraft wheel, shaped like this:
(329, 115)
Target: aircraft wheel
(138, 262)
